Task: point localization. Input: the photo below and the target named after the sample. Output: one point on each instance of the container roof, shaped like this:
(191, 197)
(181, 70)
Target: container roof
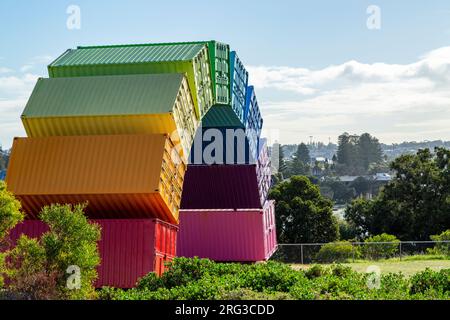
(120, 54)
(221, 116)
(104, 95)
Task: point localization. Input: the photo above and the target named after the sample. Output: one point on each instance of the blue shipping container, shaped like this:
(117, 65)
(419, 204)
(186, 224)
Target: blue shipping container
(238, 87)
(2, 174)
(221, 139)
(252, 119)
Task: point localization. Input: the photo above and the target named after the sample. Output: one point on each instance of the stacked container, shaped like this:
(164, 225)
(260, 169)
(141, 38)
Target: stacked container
(113, 126)
(225, 214)
(116, 126)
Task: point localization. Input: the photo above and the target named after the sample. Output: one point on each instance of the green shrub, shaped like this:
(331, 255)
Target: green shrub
(442, 248)
(375, 251)
(247, 294)
(315, 271)
(438, 281)
(182, 271)
(337, 252)
(37, 269)
(270, 276)
(150, 282)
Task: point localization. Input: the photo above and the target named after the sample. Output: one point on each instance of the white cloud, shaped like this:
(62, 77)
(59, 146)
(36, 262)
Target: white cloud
(379, 98)
(14, 93)
(5, 70)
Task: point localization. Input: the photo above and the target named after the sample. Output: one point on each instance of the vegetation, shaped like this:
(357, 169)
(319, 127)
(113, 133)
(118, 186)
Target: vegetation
(4, 158)
(444, 247)
(341, 251)
(201, 279)
(61, 264)
(414, 205)
(375, 250)
(303, 214)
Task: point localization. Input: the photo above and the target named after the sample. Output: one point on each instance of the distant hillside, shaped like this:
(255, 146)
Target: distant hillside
(390, 150)
(4, 158)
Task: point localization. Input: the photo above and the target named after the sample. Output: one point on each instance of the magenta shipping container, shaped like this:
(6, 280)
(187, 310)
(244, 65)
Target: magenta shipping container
(129, 248)
(228, 235)
(224, 186)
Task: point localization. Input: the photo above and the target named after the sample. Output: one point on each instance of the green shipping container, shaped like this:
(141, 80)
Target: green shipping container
(189, 58)
(105, 105)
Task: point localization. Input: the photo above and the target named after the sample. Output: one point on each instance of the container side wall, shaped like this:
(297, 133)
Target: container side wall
(222, 235)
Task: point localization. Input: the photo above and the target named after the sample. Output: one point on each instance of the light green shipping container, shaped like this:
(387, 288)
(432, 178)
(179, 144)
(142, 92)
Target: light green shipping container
(192, 59)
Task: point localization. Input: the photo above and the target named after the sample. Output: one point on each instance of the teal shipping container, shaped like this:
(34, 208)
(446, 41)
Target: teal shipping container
(238, 86)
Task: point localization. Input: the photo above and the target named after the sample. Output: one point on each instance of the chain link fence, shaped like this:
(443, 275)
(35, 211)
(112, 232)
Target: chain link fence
(307, 253)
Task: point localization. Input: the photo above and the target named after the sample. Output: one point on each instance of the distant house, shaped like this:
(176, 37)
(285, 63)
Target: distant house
(382, 177)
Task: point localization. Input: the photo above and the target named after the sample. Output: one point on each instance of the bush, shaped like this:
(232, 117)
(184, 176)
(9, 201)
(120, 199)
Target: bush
(438, 281)
(270, 276)
(337, 252)
(442, 248)
(375, 251)
(37, 269)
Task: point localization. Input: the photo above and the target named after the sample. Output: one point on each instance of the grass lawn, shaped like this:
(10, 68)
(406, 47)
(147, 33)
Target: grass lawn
(408, 267)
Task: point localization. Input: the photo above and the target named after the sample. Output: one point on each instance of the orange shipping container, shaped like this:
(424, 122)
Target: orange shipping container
(121, 176)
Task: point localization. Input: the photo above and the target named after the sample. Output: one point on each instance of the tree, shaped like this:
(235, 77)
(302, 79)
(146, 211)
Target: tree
(369, 151)
(300, 165)
(302, 214)
(10, 215)
(416, 202)
(39, 269)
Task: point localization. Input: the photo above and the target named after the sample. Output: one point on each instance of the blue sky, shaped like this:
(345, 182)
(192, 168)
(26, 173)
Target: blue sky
(317, 68)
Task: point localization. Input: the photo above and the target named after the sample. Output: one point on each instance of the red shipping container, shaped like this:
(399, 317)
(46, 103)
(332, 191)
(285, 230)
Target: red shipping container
(129, 248)
(228, 235)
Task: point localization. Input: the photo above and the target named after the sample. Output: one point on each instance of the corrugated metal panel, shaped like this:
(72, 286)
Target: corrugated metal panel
(128, 248)
(128, 175)
(238, 85)
(122, 54)
(223, 135)
(218, 57)
(252, 119)
(191, 59)
(263, 170)
(221, 186)
(221, 116)
(227, 235)
(132, 104)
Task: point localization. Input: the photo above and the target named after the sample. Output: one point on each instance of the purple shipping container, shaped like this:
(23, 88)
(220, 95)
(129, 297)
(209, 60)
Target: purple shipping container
(224, 186)
(228, 235)
(264, 172)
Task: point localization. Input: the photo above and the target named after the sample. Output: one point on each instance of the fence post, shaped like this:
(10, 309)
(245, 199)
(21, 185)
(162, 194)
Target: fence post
(301, 252)
(400, 251)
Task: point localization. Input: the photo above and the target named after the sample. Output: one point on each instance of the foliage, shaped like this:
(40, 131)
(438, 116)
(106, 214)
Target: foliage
(374, 250)
(356, 154)
(415, 204)
(337, 252)
(27, 274)
(442, 248)
(38, 268)
(273, 280)
(431, 280)
(301, 163)
(303, 214)
(10, 213)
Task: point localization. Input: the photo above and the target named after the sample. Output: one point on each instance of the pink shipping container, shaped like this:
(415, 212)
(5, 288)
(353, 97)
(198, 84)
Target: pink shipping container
(129, 248)
(245, 235)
